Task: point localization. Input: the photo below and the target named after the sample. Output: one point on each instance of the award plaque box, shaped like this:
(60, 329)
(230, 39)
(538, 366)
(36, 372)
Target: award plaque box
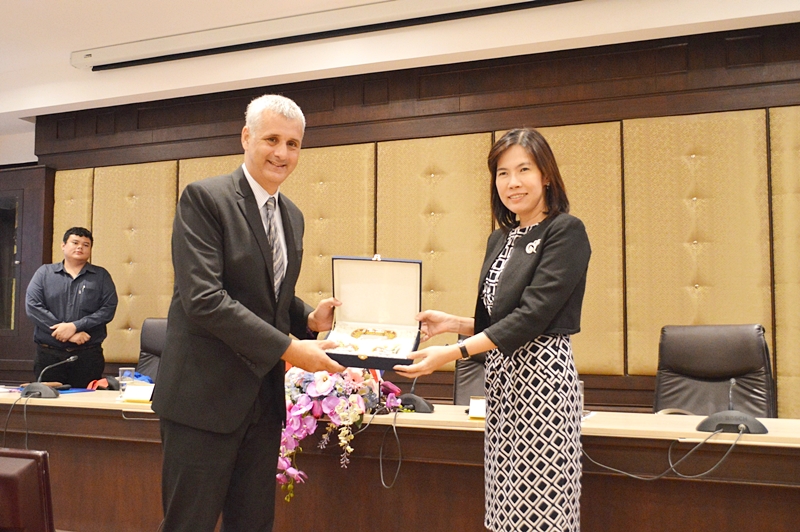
(375, 326)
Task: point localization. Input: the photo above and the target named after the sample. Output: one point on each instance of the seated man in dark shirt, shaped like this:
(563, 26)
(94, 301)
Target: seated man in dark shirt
(71, 302)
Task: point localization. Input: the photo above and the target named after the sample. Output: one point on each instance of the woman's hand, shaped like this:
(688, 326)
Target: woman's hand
(430, 359)
(436, 322)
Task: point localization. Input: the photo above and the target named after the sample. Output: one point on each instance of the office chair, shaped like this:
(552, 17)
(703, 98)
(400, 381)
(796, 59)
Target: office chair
(26, 502)
(696, 365)
(468, 379)
(154, 333)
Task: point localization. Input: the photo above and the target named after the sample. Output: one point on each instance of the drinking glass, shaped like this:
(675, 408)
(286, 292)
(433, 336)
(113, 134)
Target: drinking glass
(125, 377)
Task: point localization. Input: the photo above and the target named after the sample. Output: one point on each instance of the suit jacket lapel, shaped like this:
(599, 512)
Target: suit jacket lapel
(249, 207)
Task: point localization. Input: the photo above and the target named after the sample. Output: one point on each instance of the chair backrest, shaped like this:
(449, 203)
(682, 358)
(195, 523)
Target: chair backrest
(468, 379)
(25, 497)
(697, 362)
(154, 333)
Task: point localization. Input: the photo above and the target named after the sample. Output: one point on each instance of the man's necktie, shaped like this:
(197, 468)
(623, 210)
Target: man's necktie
(278, 262)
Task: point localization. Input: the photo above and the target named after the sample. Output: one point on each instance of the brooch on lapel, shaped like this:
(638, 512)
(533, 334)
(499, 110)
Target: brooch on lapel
(533, 246)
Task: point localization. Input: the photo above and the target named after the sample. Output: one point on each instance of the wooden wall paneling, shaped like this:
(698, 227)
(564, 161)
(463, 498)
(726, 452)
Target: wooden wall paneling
(33, 188)
(696, 224)
(743, 69)
(785, 165)
(134, 206)
(190, 170)
(335, 189)
(433, 205)
(590, 160)
(72, 206)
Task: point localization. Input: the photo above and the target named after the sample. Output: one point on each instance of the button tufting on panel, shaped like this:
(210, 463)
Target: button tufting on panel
(697, 287)
(693, 156)
(432, 252)
(320, 292)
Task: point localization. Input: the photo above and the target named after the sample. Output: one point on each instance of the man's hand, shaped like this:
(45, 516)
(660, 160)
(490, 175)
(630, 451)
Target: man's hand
(63, 331)
(80, 338)
(321, 319)
(310, 356)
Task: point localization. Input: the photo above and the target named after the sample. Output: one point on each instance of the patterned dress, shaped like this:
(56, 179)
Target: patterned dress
(533, 417)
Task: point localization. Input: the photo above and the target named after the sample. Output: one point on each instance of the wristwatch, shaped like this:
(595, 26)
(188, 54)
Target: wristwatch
(463, 349)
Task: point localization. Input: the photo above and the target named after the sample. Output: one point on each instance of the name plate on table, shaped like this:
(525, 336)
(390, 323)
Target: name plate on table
(375, 327)
(138, 393)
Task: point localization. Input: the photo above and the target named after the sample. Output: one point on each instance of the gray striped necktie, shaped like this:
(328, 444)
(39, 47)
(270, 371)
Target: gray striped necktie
(278, 262)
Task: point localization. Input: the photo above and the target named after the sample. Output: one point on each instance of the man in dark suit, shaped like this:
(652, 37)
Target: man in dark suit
(236, 253)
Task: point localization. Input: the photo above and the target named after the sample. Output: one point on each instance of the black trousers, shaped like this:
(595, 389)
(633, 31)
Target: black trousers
(78, 374)
(205, 473)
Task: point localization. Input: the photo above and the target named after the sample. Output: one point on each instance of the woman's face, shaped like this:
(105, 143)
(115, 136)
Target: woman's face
(519, 184)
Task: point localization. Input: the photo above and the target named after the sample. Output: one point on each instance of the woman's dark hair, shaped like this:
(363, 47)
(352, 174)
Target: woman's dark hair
(533, 142)
(78, 231)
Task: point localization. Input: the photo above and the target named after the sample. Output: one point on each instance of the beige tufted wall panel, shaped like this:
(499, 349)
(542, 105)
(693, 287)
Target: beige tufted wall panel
(133, 210)
(433, 205)
(335, 189)
(697, 226)
(190, 170)
(589, 157)
(72, 205)
(785, 148)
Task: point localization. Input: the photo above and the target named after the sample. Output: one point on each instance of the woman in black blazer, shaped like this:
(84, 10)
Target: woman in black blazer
(530, 295)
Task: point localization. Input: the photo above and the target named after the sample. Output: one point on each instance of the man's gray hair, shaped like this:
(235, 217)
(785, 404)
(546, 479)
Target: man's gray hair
(277, 104)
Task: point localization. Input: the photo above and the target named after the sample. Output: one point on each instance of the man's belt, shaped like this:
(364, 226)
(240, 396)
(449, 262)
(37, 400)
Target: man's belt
(68, 349)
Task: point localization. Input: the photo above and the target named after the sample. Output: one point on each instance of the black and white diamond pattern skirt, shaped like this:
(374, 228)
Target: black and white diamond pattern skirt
(532, 445)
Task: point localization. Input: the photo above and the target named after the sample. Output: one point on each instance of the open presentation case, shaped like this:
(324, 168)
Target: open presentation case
(375, 327)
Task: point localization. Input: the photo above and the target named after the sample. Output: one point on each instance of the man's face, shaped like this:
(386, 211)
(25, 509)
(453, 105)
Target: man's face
(271, 152)
(77, 248)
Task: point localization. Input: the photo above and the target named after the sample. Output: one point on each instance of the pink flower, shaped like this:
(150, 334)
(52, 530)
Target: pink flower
(322, 385)
(329, 405)
(354, 376)
(296, 475)
(387, 388)
(316, 409)
(392, 401)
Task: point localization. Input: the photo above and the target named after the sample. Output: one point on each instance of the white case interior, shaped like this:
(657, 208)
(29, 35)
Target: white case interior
(380, 299)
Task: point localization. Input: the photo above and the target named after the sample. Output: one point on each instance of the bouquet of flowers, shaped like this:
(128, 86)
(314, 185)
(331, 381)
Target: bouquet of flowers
(344, 397)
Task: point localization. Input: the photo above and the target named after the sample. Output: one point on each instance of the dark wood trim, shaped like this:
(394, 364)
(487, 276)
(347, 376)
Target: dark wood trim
(34, 243)
(743, 69)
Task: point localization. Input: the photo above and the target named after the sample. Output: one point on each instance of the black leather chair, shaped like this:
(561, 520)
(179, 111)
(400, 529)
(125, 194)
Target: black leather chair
(468, 379)
(154, 333)
(697, 362)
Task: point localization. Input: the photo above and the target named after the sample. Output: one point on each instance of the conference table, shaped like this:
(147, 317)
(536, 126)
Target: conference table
(105, 465)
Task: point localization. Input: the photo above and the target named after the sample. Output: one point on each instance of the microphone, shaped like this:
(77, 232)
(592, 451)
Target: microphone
(732, 420)
(730, 393)
(417, 403)
(42, 390)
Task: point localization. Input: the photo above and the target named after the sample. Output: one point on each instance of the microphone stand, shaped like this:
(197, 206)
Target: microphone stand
(37, 389)
(732, 420)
